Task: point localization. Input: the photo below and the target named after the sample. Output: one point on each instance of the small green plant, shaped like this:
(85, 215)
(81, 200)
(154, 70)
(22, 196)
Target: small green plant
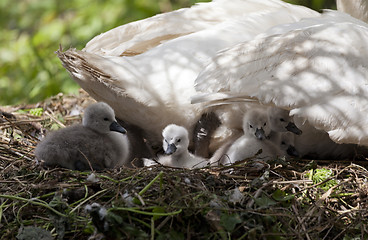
(36, 112)
(33, 111)
(320, 175)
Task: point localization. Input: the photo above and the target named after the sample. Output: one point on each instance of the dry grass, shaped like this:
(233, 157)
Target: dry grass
(279, 201)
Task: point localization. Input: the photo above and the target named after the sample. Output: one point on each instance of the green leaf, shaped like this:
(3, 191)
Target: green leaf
(229, 221)
(264, 201)
(158, 209)
(282, 196)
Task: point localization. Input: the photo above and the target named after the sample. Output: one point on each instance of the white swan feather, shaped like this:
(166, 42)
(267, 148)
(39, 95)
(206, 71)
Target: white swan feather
(319, 71)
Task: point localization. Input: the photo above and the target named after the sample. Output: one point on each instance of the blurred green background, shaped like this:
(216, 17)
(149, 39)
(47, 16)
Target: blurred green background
(32, 30)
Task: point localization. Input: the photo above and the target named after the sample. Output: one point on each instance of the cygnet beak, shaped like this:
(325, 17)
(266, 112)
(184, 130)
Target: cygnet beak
(260, 134)
(171, 148)
(291, 151)
(291, 127)
(114, 126)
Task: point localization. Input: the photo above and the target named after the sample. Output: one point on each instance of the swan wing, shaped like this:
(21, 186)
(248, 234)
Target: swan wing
(318, 71)
(139, 36)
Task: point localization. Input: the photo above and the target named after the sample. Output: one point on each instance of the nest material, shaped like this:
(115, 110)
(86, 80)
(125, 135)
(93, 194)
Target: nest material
(279, 200)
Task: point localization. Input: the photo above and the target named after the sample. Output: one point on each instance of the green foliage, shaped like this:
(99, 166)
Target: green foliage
(36, 112)
(31, 31)
(282, 196)
(320, 175)
(265, 202)
(229, 221)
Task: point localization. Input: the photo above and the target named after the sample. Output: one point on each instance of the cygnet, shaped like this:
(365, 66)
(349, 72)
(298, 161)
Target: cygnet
(256, 130)
(98, 143)
(287, 144)
(283, 130)
(281, 121)
(175, 145)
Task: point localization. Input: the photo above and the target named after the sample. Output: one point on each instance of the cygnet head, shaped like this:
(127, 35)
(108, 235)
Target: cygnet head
(255, 123)
(287, 144)
(100, 117)
(175, 140)
(280, 121)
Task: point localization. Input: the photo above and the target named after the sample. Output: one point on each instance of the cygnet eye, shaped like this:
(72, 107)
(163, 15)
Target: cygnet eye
(264, 124)
(106, 119)
(282, 120)
(178, 140)
(283, 143)
(250, 126)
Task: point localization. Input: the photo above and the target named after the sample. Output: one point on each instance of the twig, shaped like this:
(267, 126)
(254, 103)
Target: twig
(87, 199)
(85, 157)
(307, 181)
(20, 155)
(256, 195)
(300, 221)
(163, 222)
(54, 119)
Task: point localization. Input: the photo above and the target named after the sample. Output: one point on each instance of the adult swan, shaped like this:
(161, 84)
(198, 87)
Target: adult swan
(145, 70)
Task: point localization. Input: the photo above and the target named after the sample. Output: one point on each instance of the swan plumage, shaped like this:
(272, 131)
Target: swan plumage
(148, 67)
(98, 143)
(357, 9)
(317, 144)
(317, 70)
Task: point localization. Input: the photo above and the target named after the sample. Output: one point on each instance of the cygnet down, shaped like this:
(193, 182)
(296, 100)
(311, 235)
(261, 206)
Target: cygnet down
(281, 121)
(98, 143)
(287, 144)
(256, 130)
(283, 131)
(175, 145)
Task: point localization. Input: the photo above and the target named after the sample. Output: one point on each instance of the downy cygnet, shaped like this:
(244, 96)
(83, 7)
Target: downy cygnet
(256, 130)
(98, 143)
(175, 145)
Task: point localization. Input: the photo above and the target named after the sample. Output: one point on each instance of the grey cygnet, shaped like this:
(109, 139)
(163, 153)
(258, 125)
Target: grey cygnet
(98, 143)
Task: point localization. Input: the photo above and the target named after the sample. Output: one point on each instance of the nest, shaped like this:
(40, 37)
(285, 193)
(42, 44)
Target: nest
(282, 199)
